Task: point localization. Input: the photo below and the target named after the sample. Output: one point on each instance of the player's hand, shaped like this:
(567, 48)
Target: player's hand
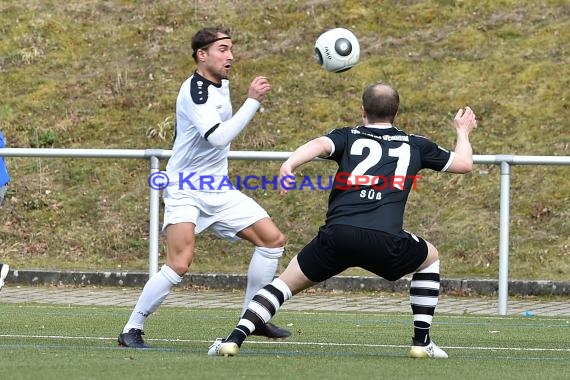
(258, 88)
(286, 178)
(465, 120)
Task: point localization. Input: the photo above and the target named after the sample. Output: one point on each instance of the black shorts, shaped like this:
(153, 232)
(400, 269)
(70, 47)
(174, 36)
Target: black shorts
(339, 247)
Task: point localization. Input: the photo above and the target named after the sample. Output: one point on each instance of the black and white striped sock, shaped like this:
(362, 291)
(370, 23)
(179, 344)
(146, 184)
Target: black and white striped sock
(260, 310)
(424, 294)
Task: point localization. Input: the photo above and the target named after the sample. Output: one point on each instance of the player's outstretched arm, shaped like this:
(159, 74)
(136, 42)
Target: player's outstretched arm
(259, 88)
(225, 132)
(464, 122)
(319, 147)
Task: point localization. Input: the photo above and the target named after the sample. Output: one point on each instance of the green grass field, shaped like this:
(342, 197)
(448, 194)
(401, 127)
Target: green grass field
(73, 342)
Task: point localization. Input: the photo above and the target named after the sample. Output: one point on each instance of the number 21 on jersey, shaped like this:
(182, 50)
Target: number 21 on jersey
(374, 157)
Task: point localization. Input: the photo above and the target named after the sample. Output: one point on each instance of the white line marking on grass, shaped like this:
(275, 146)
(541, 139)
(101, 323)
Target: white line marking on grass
(56, 337)
(289, 343)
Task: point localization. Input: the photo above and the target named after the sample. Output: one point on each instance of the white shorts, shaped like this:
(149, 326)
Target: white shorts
(226, 213)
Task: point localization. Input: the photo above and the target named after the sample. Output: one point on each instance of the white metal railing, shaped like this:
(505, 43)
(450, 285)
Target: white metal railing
(155, 155)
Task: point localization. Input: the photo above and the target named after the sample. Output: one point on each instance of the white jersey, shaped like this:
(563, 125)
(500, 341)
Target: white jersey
(196, 164)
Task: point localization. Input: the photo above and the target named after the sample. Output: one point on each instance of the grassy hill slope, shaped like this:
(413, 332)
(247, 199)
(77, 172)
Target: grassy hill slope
(106, 74)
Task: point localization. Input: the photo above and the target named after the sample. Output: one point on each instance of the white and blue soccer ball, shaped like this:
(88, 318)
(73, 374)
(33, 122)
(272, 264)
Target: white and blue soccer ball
(337, 50)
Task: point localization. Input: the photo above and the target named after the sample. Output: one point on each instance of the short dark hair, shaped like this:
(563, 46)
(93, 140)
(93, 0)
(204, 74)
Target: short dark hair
(207, 36)
(381, 103)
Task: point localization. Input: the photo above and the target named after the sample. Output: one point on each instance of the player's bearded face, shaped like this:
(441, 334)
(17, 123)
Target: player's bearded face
(220, 59)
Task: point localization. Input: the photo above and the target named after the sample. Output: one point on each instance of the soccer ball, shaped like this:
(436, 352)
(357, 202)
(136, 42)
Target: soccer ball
(337, 50)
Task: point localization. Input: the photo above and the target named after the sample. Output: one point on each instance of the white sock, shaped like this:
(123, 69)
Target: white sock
(261, 271)
(154, 292)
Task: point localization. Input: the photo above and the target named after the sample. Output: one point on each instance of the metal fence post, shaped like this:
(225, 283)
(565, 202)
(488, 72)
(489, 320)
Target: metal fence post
(155, 155)
(153, 233)
(504, 238)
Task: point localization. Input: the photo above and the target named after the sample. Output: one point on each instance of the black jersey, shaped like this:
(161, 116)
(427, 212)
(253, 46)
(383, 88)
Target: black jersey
(378, 167)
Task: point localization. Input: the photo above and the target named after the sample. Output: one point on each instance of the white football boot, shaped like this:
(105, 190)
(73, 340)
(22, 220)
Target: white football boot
(222, 348)
(429, 351)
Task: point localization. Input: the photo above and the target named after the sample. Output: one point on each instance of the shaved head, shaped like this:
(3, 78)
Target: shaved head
(380, 103)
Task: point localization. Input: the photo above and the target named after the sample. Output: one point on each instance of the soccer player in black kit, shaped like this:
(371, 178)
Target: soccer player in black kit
(378, 166)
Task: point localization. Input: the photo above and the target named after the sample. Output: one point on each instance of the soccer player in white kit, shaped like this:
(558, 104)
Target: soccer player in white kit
(199, 195)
